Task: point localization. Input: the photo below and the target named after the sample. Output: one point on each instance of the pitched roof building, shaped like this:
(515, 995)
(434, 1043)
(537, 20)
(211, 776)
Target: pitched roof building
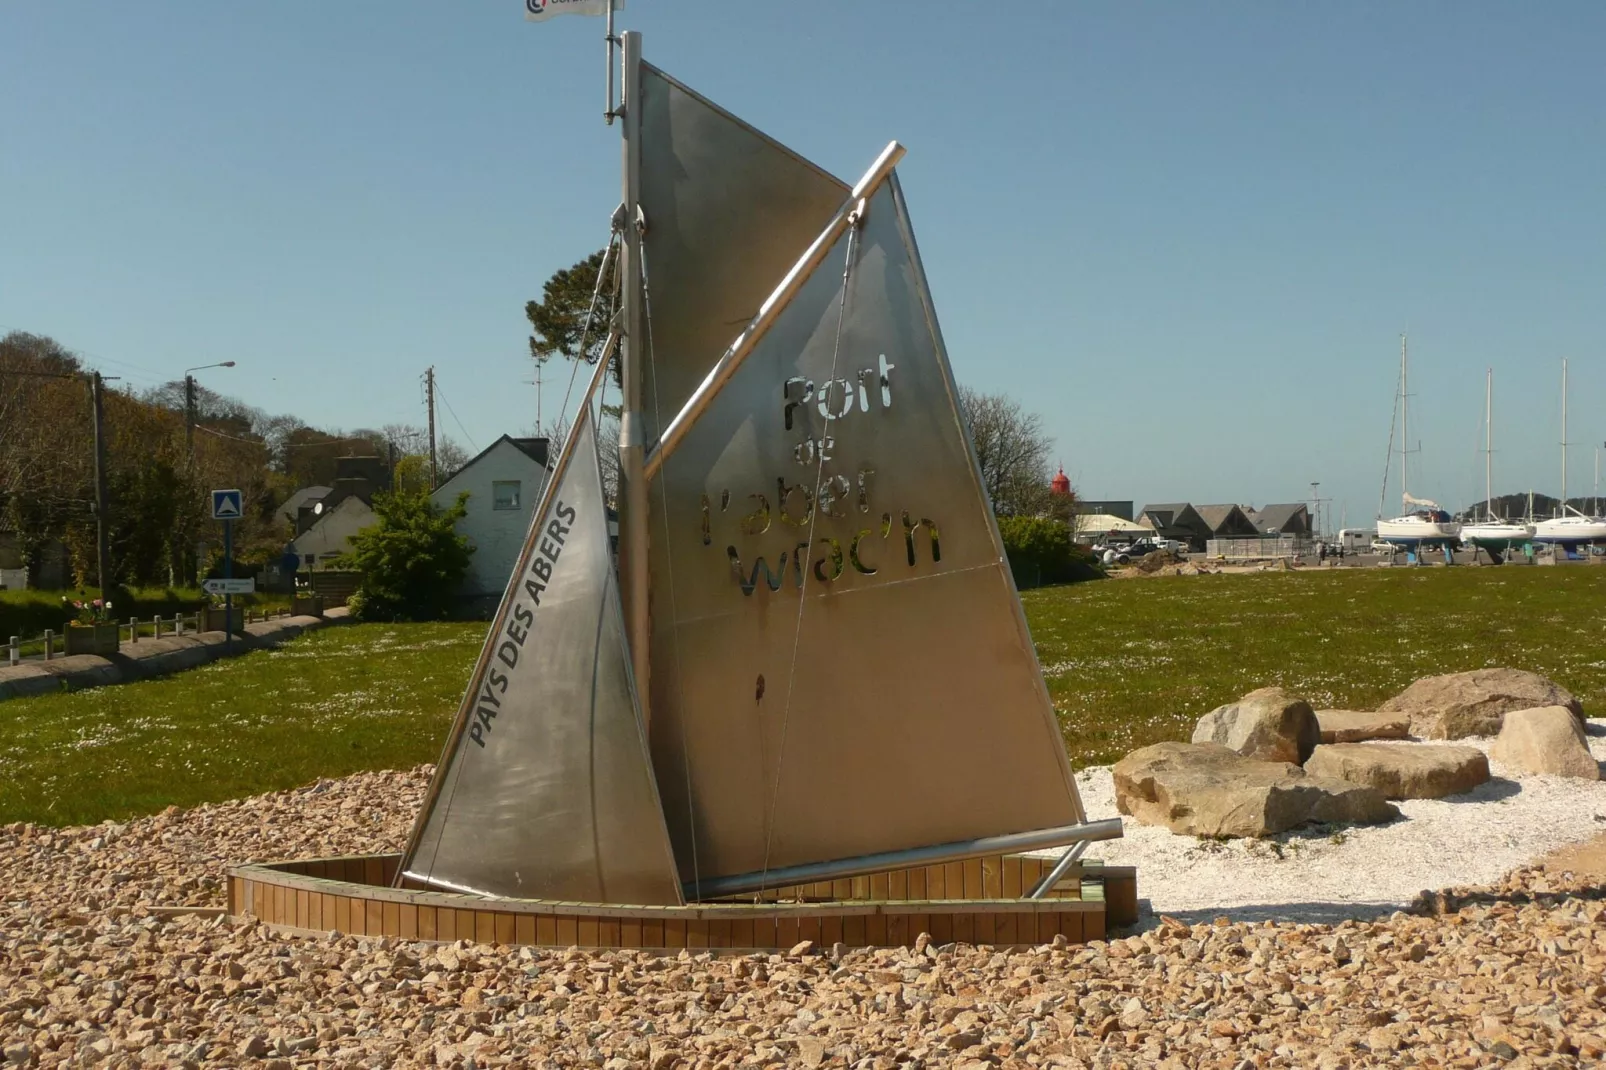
(1292, 518)
(1227, 521)
(1177, 520)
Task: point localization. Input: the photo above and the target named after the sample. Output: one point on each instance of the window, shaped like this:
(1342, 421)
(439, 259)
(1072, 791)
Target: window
(505, 494)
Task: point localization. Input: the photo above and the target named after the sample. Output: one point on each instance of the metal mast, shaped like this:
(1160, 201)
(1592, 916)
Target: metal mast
(1488, 443)
(633, 331)
(1563, 511)
(1405, 418)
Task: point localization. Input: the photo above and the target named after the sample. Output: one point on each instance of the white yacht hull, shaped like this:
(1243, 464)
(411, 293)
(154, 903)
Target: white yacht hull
(1496, 536)
(1571, 529)
(1413, 531)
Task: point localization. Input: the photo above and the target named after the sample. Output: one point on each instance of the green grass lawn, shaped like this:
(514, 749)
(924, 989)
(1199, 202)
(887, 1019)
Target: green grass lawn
(1134, 662)
(1129, 662)
(333, 702)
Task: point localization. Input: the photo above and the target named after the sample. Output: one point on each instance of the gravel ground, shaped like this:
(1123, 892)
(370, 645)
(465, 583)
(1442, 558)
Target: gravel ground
(90, 974)
(1363, 871)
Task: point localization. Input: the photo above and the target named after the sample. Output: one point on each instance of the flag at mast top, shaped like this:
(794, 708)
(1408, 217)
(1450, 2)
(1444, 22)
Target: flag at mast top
(541, 10)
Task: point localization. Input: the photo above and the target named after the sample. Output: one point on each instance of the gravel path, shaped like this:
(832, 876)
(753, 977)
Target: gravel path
(91, 974)
(1362, 871)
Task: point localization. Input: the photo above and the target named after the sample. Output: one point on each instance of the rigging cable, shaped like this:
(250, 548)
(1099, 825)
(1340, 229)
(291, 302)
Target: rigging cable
(669, 565)
(855, 221)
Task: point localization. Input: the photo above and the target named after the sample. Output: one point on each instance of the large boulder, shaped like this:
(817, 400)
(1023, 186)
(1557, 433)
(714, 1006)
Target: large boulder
(1462, 704)
(1205, 789)
(1269, 725)
(1358, 726)
(1402, 770)
(1545, 740)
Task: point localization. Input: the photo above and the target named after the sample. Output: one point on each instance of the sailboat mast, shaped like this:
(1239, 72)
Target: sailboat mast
(633, 486)
(1563, 436)
(1405, 417)
(1488, 443)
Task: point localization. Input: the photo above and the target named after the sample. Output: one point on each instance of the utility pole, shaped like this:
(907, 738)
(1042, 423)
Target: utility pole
(429, 390)
(189, 417)
(102, 542)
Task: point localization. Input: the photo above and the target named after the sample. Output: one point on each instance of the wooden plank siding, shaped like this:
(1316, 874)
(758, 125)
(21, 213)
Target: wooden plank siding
(978, 901)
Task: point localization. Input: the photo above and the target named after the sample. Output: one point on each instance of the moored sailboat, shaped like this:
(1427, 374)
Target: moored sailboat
(1572, 528)
(1491, 533)
(1424, 523)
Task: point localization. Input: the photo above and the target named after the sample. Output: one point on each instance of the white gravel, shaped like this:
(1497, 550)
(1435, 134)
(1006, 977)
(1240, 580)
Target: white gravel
(1362, 871)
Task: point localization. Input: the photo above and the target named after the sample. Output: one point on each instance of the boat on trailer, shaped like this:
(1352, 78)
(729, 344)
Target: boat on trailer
(1424, 524)
(1573, 528)
(1492, 534)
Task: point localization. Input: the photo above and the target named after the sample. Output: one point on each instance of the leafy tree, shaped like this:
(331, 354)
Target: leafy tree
(1041, 551)
(412, 558)
(1012, 449)
(559, 318)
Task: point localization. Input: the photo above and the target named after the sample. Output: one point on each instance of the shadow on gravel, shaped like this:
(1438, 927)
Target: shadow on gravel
(1427, 904)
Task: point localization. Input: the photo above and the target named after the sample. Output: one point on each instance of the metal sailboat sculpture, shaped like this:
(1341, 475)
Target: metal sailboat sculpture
(821, 666)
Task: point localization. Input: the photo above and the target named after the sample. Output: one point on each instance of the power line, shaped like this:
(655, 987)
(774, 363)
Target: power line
(474, 445)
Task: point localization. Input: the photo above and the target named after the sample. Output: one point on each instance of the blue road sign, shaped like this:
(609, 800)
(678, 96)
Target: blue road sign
(227, 505)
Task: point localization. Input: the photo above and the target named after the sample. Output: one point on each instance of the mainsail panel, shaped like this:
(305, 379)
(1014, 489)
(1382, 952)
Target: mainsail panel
(839, 661)
(728, 209)
(546, 789)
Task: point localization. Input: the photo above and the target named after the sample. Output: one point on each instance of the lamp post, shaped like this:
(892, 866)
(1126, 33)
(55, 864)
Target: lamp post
(189, 404)
(189, 418)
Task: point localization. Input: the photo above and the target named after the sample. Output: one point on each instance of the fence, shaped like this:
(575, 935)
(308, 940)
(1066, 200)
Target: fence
(53, 644)
(335, 585)
(1260, 547)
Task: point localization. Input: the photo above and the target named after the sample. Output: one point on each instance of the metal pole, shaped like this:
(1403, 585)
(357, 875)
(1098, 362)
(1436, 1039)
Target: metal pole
(633, 489)
(1563, 511)
(228, 598)
(1067, 860)
(673, 432)
(609, 40)
(808, 873)
(102, 543)
(429, 385)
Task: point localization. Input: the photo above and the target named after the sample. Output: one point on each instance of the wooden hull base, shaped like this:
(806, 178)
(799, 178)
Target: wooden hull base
(974, 902)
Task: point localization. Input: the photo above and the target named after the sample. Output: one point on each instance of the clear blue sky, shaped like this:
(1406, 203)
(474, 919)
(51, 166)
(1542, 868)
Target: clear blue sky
(1188, 235)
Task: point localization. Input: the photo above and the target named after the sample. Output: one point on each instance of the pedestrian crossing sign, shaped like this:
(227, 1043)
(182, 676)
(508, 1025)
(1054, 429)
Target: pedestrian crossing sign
(227, 505)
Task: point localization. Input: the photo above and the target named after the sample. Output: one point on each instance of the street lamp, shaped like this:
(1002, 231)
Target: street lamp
(189, 404)
(189, 413)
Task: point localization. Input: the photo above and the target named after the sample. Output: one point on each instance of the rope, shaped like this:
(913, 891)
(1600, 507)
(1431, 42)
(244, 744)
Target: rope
(591, 315)
(669, 562)
(814, 513)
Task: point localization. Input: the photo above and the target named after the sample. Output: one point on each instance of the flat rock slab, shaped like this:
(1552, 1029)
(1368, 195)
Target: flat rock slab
(1205, 789)
(1547, 740)
(1271, 725)
(1358, 726)
(1402, 770)
(1462, 704)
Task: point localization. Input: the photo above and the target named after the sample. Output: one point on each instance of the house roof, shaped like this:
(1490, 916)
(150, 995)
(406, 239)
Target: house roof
(1276, 517)
(305, 496)
(1167, 513)
(536, 449)
(1217, 516)
(1091, 522)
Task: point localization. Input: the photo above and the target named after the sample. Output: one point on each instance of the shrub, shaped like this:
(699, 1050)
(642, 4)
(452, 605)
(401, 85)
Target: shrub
(412, 559)
(1041, 552)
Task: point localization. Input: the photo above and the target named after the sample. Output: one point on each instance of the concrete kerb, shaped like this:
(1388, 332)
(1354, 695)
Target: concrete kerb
(150, 658)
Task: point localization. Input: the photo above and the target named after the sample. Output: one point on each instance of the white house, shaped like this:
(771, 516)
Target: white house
(330, 535)
(504, 483)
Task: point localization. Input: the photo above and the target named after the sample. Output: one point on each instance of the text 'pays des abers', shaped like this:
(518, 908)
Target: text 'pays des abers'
(790, 508)
(548, 548)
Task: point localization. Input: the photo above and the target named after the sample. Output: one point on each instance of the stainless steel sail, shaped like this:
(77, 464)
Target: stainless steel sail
(840, 665)
(546, 789)
(727, 210)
